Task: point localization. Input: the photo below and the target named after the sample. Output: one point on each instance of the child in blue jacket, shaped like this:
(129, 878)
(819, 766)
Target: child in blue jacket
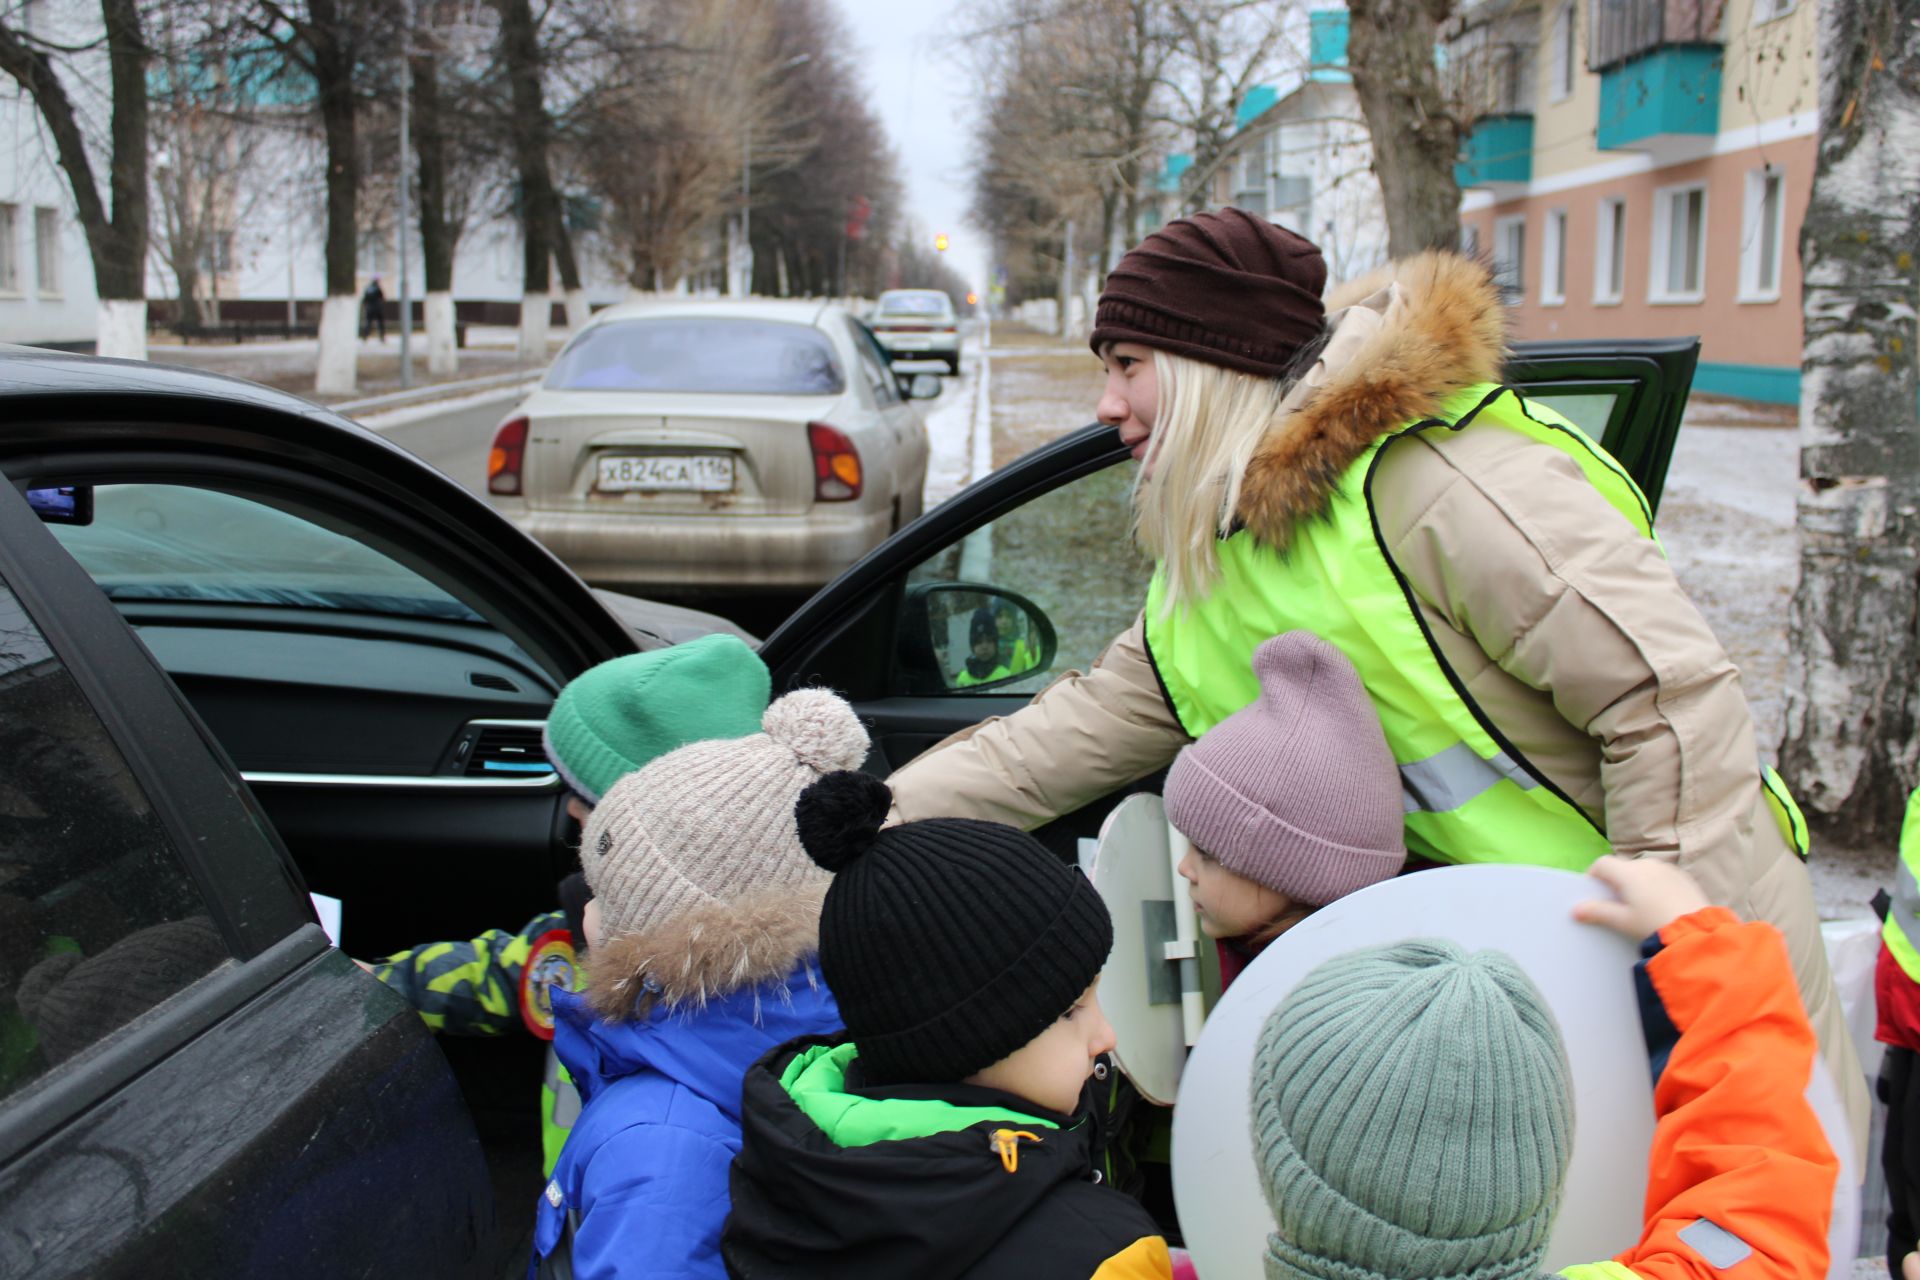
(704, 927)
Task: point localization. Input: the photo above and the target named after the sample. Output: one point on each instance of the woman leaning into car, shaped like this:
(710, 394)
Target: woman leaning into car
(1362, 473)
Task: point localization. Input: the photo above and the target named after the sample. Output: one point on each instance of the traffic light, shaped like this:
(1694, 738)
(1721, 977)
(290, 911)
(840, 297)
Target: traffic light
(940, 242)
(973, 299)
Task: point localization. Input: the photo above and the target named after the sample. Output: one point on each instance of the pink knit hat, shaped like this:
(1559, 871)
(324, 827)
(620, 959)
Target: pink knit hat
(1297, 790)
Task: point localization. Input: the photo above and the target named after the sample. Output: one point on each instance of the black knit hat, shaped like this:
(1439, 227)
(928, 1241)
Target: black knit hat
(948, 943)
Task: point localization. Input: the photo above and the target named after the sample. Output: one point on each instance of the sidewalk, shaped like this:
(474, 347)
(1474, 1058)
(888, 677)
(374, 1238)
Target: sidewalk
(288, 364)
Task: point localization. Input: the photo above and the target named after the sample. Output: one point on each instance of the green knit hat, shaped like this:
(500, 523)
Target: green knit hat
(615, 717)
(1412, 1118)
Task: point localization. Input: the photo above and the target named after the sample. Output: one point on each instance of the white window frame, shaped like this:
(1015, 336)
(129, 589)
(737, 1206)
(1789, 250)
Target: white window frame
(1610, 256)
(10, 250)
(1510, 270)
(1664, 200)
(46, 251)
(1553, 259)
(1561, 53)
(1757, 257)
(1765, 11)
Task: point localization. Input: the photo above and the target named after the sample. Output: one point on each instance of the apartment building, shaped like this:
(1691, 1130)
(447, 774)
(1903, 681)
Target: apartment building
(1640, 168)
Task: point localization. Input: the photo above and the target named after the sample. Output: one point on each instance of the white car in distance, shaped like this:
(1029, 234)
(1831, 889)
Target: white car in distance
(918, 324)
(715, 446)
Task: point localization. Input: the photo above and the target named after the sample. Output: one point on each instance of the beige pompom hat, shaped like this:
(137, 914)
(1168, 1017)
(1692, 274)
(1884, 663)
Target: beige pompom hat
(713, 821)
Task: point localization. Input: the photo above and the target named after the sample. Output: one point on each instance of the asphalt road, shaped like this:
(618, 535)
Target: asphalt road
(451, 435)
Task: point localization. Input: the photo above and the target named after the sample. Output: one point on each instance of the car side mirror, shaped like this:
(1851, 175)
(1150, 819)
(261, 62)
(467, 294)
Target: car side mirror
(961, 637)
(920, 386)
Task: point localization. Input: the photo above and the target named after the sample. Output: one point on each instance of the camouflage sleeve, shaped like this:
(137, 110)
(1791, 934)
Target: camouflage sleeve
(468, 988)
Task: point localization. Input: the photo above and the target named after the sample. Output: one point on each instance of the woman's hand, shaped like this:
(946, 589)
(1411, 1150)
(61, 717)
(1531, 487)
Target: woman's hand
(1653, 894)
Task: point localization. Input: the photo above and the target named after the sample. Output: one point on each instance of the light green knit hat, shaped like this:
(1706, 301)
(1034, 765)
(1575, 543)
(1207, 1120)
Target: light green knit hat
(1412, 1118)
(617, 716)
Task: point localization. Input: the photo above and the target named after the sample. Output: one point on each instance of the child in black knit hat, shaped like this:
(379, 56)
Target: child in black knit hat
(947, 1133)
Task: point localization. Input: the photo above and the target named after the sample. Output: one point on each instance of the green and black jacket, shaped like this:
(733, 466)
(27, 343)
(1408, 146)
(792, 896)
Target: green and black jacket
(930, 1182)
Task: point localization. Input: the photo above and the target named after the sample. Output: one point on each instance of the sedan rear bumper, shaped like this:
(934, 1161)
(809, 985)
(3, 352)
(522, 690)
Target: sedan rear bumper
(907, 346)
(729, 552)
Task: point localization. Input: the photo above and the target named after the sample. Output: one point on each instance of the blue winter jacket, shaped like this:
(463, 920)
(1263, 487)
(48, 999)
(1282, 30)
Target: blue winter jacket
(641, 1186)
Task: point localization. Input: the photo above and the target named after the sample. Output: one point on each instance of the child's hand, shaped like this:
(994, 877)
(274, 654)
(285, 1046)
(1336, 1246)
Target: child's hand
(1653, 894)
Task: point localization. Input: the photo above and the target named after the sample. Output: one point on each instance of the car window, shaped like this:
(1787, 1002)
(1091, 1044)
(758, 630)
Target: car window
(914, 304)
(700, 354)
(875, 366)
(1071, 552)
(172, 542)
(99, 920)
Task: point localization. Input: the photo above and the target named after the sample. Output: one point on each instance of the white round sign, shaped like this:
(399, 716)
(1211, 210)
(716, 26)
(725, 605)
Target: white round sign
(1585, 973)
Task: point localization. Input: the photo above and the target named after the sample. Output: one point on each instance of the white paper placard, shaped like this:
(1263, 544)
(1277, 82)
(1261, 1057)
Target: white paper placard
(328, 909)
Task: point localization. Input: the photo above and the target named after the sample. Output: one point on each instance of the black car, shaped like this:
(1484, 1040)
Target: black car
(250, 649)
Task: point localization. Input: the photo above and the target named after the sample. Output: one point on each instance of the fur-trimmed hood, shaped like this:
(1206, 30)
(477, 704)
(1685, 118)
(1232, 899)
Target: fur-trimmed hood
(1418, 331)
(705, 954)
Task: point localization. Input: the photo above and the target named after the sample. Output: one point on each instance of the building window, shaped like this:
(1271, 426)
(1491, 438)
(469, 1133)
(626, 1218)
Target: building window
(9, 248)
(1510, 255)
(1560, 54)
(46, 249)
(1768, 10)
(1760, 236)
(1553, 259)
(1610, 252)
(1679, 245)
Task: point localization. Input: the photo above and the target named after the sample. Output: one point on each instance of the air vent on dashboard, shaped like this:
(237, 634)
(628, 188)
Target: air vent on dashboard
(488, 680)
(505, 751)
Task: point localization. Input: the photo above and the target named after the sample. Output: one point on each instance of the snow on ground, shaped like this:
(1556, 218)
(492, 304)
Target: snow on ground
(950, 427)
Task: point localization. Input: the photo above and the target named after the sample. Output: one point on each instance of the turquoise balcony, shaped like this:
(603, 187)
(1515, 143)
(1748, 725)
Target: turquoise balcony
(1666, 100)
(1497, 152)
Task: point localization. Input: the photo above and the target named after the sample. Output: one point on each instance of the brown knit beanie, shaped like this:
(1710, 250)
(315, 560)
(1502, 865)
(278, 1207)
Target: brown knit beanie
(1227, 288)
(1297, 790)
(714, 820)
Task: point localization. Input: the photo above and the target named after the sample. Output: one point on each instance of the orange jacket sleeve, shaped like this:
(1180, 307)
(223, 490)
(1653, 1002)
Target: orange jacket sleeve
(1741, 1171)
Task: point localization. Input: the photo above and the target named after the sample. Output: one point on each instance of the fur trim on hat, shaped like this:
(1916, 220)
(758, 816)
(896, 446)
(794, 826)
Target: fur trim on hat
(705, 953)
(1451, 333)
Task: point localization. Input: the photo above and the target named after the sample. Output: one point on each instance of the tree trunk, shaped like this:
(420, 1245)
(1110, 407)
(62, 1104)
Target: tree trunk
(520, 50)
(1850, 748)
(1416, 139)
(116, 235)
(187, 306)
(333, 61)
(438, 235)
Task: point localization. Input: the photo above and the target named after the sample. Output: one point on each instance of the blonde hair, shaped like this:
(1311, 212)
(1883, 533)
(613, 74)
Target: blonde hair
(1207, 427)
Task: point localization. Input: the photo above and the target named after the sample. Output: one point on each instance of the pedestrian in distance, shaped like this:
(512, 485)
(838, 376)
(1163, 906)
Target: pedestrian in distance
(1358, 468)
(607, 722)
(1412, 1109)
(949, 1131)
(704, 926)
(373, 310)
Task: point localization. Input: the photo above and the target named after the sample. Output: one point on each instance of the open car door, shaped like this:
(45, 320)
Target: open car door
(970, 610)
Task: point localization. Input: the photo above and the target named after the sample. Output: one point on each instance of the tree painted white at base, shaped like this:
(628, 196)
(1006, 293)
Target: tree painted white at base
(442, 355)
(339, 371)
(578, 312)
(123, 328)
(536, 319)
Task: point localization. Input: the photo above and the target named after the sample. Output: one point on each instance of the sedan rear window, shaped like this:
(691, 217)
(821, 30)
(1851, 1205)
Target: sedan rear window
(914, 304)
(700, 354)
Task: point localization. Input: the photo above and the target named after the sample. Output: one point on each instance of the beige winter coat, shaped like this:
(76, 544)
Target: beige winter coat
(1568, 628)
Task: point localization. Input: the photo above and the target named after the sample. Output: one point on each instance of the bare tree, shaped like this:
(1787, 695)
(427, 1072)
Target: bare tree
(115, 227)
(1852, 740)
(1416, 135)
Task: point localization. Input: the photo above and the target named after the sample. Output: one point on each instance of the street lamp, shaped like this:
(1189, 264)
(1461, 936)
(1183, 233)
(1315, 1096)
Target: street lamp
(746, 184)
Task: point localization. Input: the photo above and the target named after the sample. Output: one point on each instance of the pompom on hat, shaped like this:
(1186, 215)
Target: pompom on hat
(1298, 789)
(1412, 1116)
(948, 943)
(714, 820)
(620, 714)
(1227, 288)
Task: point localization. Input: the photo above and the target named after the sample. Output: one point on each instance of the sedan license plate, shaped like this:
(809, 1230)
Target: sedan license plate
(696, 473)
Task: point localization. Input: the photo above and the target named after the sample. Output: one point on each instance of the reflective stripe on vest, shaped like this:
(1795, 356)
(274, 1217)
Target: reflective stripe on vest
(559, 1108)
(1469, 794)
(1902, 930)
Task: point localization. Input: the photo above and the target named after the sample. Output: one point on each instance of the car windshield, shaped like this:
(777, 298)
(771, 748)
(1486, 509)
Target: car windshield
(914, 304)
(700, 354)
(171, 542)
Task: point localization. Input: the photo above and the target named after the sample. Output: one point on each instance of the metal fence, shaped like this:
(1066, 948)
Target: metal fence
(1624, 29)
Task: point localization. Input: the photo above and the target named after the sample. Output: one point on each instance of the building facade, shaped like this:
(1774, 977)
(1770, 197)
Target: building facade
(1640, 168)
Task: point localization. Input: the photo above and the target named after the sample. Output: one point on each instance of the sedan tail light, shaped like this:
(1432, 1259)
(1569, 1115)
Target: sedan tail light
(836, 464)
(508, 453)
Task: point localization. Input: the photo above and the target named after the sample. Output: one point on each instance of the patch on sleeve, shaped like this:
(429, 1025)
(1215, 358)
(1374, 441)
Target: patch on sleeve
(557, 1198)
(1719, 1246)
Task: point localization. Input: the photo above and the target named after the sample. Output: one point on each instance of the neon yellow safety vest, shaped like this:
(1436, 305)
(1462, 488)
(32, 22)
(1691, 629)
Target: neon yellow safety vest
(1902, 930)
(1469, 793)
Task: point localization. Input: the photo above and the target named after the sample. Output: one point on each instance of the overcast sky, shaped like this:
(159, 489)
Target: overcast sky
(918, 91)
